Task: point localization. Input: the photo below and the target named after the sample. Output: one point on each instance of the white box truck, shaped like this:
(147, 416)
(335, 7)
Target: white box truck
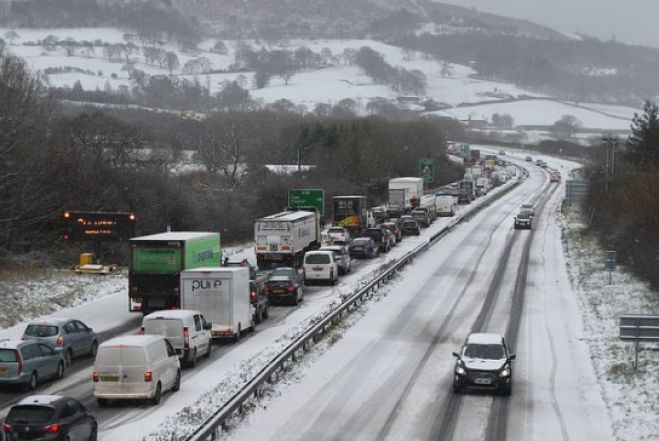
(282, 239)
(402, 190)
(222, 296)
(444, 205)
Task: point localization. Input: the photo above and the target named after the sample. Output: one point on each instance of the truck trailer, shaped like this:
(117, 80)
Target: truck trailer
(156, 262)
(222, 295)
(351, 213)
(282, 239)
(402, 190)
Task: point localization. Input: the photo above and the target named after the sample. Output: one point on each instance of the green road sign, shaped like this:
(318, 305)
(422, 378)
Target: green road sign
(427, 170)
(314, 197)
(610, 260)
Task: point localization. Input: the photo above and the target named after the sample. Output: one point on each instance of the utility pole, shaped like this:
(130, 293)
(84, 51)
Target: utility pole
(610, 142)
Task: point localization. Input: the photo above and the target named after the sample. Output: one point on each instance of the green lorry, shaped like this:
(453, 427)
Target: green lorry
(156, 262)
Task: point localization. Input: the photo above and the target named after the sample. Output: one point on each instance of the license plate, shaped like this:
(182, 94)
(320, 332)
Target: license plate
(358, 249)
(109, 378)
(4, 371)
(317, 268)
(483, 381)
(278, 291)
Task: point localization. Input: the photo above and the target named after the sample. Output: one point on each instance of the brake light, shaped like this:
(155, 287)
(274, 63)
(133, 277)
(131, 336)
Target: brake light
(148, 376)
(19, 359)
(252, 293)
(291, 288)
(53, 428)
(6, 428)
(186, 337)
(141, 330)
(95, 376)
(60, 341)
(266, 289)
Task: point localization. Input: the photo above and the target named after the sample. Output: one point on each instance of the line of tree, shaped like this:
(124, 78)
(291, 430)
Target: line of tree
(624, 196)
(399, 79)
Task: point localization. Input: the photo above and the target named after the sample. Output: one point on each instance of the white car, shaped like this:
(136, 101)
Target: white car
(135, 367)
(528, 207)
(339, 234)
(320, 266)
(186, 330)
(342, 256)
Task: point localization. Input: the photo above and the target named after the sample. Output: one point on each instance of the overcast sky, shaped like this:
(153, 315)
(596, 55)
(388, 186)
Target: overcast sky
(630, 21)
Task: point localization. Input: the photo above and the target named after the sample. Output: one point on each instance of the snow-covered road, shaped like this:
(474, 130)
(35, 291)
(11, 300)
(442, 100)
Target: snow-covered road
(388, 377)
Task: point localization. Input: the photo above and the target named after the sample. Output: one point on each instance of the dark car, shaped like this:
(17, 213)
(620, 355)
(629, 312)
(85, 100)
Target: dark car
(395, 211)
(483, 363)
(50, 417)
(71, 336)
(524, 219)
(363, 247)
(394, 227)
(284, 285)
(464, 198)
(379, 236)
(410, 226)
(421, 216)
(259, 300)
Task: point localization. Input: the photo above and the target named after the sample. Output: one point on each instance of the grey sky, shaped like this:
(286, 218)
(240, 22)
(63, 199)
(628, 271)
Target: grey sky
(630, 21)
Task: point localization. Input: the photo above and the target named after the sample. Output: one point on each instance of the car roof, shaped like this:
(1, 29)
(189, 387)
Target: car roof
(40, 399)
(361, 238)
(171, 313)
(485, 338)
(332, 248)
(131, 340)
(318, 252)
(50, 321)
(11, 343)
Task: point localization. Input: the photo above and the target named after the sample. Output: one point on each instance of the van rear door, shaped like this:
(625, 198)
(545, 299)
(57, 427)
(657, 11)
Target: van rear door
(171, 328)
(121, 369)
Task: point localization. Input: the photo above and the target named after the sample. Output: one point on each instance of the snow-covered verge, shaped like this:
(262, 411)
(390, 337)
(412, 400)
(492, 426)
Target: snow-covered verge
(29, 293)
(631, 395)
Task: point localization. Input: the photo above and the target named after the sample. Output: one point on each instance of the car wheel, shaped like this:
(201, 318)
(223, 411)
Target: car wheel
(257, 316)
(177, 383)
(265, 312)
(94, 349)
(156, 397)
(60, 370)
(33, 382)
(507, 390)
(236, 336)
(94, 435)
(68, 356)
(102, 402)
(209, 349)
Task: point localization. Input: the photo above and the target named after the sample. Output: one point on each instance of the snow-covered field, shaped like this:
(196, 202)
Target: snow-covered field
(328, 85)
(631, 395)
(545, 112)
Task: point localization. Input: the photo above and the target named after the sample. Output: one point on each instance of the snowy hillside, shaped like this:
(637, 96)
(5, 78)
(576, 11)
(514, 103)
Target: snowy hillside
(66, 56)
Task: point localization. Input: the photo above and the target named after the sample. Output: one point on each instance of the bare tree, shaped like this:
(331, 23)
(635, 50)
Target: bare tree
(223, 147)
(171, 61)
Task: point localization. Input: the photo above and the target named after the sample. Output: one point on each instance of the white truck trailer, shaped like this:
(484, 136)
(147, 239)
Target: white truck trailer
(222, 296)
(402, 190)
(282, 239)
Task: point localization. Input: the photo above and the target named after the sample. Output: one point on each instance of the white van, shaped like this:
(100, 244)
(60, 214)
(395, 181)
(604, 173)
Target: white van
(185, 329)
(135, 367)
(320, 265)
(444, 205)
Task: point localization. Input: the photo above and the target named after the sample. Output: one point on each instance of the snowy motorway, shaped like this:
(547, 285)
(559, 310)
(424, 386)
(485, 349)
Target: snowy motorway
(388, 377)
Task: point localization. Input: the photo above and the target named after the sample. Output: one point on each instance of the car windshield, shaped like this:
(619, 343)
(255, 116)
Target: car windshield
(41, 331)
(30, 414)
(336, 231)
(315, 259)
(8, 356)
(360, 242)
(487, 352)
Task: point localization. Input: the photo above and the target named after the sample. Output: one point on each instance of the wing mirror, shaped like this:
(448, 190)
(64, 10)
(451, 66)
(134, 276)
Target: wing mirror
(208, 326)
(511, 357)
(456, 355)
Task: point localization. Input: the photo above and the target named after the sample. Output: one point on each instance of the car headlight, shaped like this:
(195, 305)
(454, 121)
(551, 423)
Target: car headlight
(505, 372)
(460, 370)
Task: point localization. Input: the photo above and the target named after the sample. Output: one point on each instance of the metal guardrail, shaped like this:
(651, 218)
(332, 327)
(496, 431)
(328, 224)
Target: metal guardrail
(209, 428)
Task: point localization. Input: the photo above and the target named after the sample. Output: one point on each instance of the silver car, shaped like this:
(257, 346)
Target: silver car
(28, 362)
(72, 337)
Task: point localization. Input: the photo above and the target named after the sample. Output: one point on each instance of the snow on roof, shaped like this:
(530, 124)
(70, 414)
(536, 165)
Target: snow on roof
(485, 339)
(131, 340)
(174, 235)
(169, 313)
(410, 179)
(282, 169)
(286, 216)
(40, 399)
